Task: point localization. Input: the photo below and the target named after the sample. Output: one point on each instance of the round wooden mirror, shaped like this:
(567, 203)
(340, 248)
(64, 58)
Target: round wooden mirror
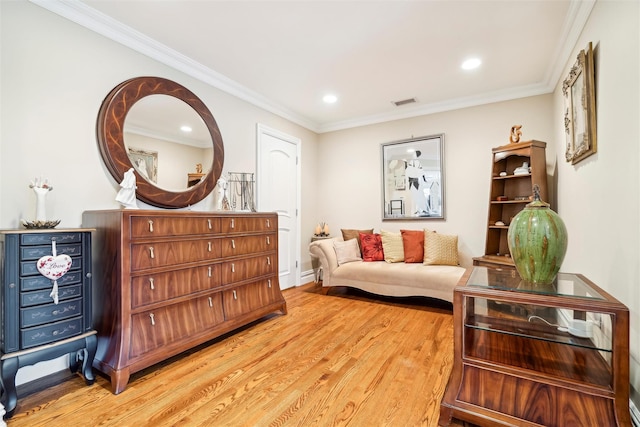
(119, 156)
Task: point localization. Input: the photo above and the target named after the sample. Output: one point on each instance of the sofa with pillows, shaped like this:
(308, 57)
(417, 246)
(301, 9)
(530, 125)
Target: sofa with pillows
(405, 263)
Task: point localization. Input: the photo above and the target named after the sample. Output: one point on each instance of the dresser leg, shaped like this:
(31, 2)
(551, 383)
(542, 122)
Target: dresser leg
(91, 344)
(8, 371)
(119, 380)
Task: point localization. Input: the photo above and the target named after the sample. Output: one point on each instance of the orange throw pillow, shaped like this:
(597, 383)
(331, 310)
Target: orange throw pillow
(413, 244)
(371, 245)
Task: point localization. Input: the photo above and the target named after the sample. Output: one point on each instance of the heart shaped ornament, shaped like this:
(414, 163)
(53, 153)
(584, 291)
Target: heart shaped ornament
(54, 267)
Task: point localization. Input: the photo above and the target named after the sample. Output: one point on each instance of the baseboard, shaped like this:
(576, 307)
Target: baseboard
(306, 277)
(634, 402)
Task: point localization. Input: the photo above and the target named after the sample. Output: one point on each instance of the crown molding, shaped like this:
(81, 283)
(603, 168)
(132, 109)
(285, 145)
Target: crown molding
(82, 14)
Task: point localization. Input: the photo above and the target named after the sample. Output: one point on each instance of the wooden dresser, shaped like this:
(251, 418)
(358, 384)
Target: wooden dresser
(166, 281)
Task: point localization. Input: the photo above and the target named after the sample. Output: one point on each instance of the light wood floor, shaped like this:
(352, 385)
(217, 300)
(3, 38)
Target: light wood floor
(337, 359)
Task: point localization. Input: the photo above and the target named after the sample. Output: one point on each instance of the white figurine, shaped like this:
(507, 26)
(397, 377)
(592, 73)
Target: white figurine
(127, 194)
(222, 203)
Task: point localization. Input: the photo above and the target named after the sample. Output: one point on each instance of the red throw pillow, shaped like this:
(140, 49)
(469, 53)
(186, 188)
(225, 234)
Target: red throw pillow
(413, 243)
(371, 245)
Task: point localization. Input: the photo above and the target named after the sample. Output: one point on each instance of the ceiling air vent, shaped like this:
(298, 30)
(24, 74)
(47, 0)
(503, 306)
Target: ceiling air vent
(404, 102)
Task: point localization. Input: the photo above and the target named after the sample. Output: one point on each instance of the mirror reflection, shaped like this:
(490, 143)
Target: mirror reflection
(413, 184)
(168, 142)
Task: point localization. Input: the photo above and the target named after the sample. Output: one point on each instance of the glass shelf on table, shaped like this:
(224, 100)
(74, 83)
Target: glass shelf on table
(565, 284)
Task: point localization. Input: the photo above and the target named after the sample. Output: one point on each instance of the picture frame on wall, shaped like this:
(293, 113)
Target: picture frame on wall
(580, 108)
(146, 163)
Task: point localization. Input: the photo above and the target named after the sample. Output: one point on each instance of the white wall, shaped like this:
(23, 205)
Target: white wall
(54, 76)
(350, 167)
(599, 198)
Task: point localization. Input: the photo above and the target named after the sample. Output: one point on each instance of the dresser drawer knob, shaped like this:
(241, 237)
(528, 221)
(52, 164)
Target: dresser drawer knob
(235, 294)
(209, 271)
(209, 246)
(151, 283)
(233, 244)
(268, 240)
(210, 302)
(233, 223)
(233, 268)
(268, 260)
(268, 223)
(153, 320)
(209, 224)
(151, 254)
(269, 283)
(150, 226)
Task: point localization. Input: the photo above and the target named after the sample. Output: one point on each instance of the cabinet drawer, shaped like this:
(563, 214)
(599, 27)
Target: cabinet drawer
(159, 254)
(248, 224)
(248, 244)
(50, 313)
(46, 239)
(235, 271)
(29, 268)
(34, 283)
(28, 299)
(247, 298)
(37, 252)
(152, 288)
(161, 226)
(34, 337)
(156, 328)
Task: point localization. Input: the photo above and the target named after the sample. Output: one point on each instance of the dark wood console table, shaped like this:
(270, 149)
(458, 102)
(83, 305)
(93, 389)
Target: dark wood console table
(530, 356)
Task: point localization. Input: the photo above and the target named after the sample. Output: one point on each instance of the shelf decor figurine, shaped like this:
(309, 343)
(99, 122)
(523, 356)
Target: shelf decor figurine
(537, 239)
(127, 194)
(41, 187)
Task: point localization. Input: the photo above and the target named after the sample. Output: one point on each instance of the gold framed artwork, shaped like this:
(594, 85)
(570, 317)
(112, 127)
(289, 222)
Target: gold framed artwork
(145, 162)
(580, 108)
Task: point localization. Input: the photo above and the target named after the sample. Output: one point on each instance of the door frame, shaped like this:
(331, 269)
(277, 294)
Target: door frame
(262, 130)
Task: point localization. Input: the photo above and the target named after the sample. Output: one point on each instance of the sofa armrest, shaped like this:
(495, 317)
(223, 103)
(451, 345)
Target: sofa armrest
(323, 250)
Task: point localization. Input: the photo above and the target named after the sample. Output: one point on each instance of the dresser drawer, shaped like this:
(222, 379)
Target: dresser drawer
(234, 246)
(47, 238)
(32, 283)
(247, 224)
(28, 299)
(247, 298)
(153, 288)
(50, 312)
(161, 327)
(163, 226)
(160, 254)
(34, 337)
(37, 252)
(28, 268)
(235, 271)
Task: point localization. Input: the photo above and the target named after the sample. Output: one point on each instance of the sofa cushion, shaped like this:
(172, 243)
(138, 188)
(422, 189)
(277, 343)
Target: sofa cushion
(347, 251)
(413, 245)
(392, 246)
(348, 234)
(371, 245)
(440, 249)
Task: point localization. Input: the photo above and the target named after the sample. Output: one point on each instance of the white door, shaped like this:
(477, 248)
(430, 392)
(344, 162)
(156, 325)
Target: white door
(278, 190)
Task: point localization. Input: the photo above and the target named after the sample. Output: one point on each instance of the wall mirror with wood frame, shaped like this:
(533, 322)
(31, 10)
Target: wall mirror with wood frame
(139, 126)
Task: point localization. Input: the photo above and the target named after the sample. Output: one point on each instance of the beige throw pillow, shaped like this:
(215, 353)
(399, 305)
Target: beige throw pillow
(392, 246)
(347, 251)
(440, 249)
(348, 234)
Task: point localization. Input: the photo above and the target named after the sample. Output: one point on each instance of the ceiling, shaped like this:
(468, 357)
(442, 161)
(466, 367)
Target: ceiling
(285, 55)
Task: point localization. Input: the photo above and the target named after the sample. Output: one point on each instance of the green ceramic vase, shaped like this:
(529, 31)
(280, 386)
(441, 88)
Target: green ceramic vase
(538, 242)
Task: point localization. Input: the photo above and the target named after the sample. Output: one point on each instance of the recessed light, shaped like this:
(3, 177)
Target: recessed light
(186, 128)
(329, 99)
(471, 64)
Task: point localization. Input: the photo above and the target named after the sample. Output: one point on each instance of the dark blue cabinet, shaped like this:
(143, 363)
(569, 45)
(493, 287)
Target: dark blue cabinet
(33, 327)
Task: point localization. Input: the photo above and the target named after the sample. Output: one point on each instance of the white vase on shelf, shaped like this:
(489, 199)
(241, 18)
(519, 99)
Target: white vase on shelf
(41, 208)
